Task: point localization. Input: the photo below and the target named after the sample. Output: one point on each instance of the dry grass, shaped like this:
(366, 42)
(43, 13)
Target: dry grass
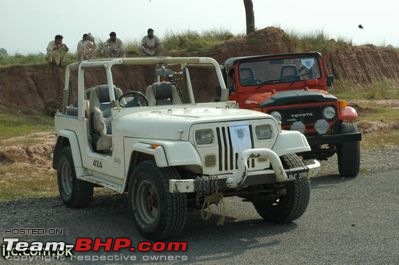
(25, 163)
(380, 140)
(24, 180)
(379, 122)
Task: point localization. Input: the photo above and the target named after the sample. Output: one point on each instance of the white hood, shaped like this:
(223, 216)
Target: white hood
(174, 124)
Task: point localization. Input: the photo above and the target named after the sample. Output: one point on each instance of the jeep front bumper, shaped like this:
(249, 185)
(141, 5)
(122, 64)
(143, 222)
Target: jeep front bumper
(242, 177)
(334, 139)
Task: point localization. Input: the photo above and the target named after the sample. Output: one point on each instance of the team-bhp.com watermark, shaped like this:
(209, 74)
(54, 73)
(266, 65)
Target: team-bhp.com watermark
(85, 249)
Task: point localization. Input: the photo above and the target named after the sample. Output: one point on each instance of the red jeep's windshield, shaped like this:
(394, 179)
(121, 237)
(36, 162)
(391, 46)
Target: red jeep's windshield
(278, 70)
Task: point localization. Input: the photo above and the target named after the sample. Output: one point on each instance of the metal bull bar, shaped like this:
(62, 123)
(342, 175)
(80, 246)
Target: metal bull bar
(238, 177)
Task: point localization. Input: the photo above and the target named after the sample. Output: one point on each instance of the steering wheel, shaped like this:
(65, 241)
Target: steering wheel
(132, 99)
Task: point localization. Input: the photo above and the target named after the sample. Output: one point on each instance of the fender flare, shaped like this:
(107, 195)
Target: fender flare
(289, 142)
(170, 153)
(348, 114)
(75, 149)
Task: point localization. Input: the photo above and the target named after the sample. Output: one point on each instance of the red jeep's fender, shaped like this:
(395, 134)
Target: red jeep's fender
(347, 114)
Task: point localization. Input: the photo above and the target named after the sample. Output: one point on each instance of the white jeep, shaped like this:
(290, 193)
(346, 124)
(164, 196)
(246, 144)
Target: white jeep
(168, 151)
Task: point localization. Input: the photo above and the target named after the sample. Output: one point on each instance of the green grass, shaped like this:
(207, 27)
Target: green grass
(192, 41)
(374, 112)
(380, 89)
(315, 41)
(13, 125)
(30, 59)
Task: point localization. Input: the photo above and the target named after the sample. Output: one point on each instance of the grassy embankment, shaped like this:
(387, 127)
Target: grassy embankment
(27, 181)
(23, 179)
(188, 41)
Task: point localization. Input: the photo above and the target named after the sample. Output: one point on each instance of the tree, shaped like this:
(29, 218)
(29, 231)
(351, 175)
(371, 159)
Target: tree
(3, 52)
(250, 17)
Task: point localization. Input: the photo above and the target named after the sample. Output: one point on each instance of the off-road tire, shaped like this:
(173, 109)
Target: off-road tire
(348, 153)
(290, 206)
(74, 193)
(157, 213)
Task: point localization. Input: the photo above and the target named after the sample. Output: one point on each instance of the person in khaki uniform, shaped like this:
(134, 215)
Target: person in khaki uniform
(56, 51)
(113, 46)
(86, 48)
(150, 44)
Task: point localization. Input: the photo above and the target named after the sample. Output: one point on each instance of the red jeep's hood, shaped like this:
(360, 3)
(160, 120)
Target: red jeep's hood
(290, 97)
(258, 98)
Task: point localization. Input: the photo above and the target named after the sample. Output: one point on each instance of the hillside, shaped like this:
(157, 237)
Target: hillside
(35, 89)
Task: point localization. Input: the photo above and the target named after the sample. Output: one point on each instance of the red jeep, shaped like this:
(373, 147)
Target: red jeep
(293, 88)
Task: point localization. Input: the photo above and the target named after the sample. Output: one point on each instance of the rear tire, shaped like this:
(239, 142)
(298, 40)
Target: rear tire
(290, 206)
(348, 153)
(74, 193)
(158, 214)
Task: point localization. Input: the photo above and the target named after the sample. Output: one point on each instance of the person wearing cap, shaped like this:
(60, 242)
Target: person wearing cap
(56, 51)
(86, 48)
(113, 46)
(150, 44)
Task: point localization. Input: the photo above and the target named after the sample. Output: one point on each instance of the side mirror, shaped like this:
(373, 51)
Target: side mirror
(330, 81)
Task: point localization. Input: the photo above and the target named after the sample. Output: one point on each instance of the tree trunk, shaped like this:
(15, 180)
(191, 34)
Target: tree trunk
(250, 17)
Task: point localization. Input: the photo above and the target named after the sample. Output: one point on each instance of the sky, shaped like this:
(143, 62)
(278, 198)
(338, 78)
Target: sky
(26, 26)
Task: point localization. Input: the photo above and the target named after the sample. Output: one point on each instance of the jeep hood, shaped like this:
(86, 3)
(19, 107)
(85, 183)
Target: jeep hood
(293, 97)
(175, 124)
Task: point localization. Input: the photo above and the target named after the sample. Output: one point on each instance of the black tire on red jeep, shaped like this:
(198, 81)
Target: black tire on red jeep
(290, 206)
(157, 213)
(348, 153)
(74, 193)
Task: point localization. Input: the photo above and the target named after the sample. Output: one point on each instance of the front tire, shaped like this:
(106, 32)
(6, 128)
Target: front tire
(290, 206)
(157, 213)
(348, 153)
(74, 193)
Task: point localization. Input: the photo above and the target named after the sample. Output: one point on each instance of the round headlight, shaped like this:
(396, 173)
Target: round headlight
(298, 126)
(276, 115)
(329, 112)
(321, 126)
(204, 136)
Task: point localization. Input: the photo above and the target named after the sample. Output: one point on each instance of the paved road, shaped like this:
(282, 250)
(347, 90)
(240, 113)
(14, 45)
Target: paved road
(348, 221)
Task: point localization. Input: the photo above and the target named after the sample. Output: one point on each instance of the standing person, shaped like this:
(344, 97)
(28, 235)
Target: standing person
(150, 44)
(86, 48)
(113, 46)
(56, 51)
(92, 47)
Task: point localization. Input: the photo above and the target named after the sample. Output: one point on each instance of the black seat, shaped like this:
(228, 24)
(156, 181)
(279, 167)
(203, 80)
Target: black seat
(247, 76)
(162, 93)
(288, 73)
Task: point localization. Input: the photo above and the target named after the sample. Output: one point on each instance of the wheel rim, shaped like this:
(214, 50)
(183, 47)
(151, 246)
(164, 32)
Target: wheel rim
(66, 178)
(147, 202)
